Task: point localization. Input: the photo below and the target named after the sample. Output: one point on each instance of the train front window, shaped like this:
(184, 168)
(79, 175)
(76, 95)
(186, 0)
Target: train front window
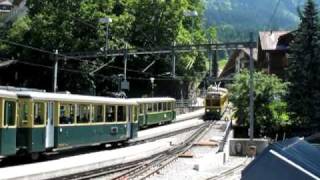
(121, 114)
(208, 102)
(67, 112)
(38, 113)
(97, 113)
(83, 115)
(9, 113)
(110, 113)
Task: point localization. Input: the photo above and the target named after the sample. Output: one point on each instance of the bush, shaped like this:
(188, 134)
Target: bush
(269, 106)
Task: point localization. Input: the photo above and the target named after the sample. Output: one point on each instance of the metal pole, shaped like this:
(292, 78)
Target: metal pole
(173, 60)
(107, 39)
(192, 35)
(251, 106)
(210, 59)
(55, 73)
(215, 64)
(125, 62)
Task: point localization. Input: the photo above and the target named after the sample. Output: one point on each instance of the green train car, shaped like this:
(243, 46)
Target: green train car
(216, 102)
(49, 121)
(155, 111)
(8, 123)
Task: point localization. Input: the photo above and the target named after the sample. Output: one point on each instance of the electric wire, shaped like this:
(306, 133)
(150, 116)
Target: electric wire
(273, 15)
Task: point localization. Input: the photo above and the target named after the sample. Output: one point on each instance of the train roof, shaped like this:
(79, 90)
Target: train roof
(75, 98)
(152, 100)
(4, 93)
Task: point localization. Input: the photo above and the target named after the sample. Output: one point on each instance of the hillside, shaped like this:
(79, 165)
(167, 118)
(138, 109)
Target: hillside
(236, 18)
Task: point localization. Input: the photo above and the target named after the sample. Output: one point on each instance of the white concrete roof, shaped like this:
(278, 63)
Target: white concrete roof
(4, 93)
(153, 100)
(75, 98)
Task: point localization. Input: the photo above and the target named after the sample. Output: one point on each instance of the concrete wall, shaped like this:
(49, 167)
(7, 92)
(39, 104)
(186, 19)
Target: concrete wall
(240, 146)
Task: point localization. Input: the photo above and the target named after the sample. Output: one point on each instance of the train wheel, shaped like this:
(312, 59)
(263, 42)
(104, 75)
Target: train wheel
(35, 156)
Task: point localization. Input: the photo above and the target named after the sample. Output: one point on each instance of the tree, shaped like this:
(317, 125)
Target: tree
(304, 68)
(269, 105)
(73, 26)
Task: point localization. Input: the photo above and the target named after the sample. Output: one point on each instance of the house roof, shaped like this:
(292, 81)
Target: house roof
(269, 39)
(294, 156)
(232, 60)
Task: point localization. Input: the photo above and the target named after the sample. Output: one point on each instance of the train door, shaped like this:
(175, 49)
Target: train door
(129, 121)
(50, 126)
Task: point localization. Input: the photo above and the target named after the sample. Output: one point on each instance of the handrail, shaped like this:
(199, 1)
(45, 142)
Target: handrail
(225, 136)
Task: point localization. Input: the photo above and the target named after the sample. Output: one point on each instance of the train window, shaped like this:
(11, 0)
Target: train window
(141, 110)
(83, 115)
(121, 114)
(160, 107)
(97, 113)
(149, 107)
(155, 107)
(67, 112)
(165, 106)
(110, 113)
(38, 113)
(24, 111)
(169, 106)
(215, 102)
(9, 113)
(136, 113)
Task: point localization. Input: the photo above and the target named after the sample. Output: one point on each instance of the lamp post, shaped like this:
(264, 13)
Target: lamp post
(152, 86)
(191, 14)
(106, 21)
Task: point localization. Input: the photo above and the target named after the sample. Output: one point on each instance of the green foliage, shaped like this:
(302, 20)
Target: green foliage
(73, 26)
(304, 68)
(269, 105)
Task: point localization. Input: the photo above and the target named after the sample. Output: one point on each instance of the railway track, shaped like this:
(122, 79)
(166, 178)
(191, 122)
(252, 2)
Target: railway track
(145, 168)
(228, 174)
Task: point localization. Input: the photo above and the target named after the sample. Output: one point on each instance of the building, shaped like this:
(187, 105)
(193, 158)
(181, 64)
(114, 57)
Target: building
(238, 60)
(273, 51)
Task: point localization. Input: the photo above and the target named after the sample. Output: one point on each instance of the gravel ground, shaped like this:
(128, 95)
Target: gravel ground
(206, 162)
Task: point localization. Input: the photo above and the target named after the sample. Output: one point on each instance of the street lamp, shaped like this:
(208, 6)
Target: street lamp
(106, 21)
(191, 14)
(152, 86)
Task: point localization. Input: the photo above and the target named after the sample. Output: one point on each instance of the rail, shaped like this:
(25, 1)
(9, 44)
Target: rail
(225, 136)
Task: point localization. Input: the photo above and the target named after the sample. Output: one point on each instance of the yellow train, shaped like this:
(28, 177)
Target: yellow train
(215, 103)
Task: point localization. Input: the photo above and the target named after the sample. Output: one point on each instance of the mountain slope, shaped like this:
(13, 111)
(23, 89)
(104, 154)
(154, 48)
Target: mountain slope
(236, 18)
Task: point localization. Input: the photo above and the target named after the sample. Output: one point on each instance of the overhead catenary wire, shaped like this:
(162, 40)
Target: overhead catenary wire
(99, 75)
(273, 15)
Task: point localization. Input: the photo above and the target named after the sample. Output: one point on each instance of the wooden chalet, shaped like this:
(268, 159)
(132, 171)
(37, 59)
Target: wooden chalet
(273, 52)
(238, 60)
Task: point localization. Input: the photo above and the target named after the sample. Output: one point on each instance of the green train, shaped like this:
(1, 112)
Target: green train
(216, 102)
(37, 122)
(155, 111)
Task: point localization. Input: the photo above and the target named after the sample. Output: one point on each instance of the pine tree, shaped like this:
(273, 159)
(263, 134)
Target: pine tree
(304, 66)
